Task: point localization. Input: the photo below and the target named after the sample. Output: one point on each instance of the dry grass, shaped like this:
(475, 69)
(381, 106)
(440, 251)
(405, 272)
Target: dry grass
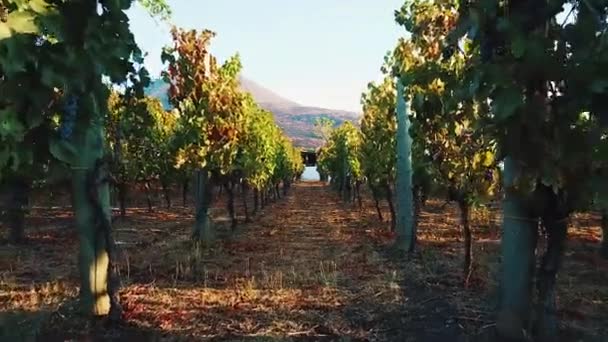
(582, 281)
(309, 268)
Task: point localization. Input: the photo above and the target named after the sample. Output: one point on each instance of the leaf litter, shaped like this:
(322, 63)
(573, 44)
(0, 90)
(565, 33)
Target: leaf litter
(308, 268)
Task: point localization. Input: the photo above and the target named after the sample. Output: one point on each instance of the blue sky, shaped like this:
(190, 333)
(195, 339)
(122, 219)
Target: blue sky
(315, 52)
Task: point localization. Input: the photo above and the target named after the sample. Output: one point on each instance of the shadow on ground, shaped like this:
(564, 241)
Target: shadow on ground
(309, 268)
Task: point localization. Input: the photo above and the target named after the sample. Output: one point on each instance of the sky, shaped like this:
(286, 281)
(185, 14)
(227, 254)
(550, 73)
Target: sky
(314, 52)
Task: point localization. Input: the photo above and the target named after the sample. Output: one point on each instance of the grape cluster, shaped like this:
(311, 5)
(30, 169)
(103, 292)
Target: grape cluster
(68, 119)
(448, 52)
(489, 174)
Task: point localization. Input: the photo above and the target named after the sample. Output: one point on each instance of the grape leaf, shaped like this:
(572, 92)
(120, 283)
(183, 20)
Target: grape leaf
(10, 127)
(506, 103)
(518, 47)
(20, 22)
(598, 86)
(64, 151)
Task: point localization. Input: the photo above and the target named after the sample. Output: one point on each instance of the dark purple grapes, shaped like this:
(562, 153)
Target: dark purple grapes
(68, 119)
(448, 52)
(489, 174)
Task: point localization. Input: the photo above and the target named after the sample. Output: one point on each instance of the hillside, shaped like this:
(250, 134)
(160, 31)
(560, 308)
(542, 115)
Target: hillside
(295, 119)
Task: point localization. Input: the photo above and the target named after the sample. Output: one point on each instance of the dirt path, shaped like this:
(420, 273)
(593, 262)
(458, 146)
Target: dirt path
(309, 268)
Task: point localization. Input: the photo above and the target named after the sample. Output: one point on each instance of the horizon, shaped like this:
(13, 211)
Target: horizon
(321, 65)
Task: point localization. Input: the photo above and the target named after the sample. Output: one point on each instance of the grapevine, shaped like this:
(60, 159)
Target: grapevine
(543, 79)
(51, 48)
(340, 159)
(218, 132)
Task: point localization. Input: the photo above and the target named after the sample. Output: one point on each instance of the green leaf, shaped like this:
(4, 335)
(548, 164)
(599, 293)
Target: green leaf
(33, 118)
(10, 127)
(16, 160)
(599, 185)
(418, 100)
(64, 151)
(549, 177)
(4, 156)
(502, 24)
(57, 172)
(472, 33)
(50, 77)
(598, 86)
(518, 47)
(23, 157)
(16, 55)
(506, 103)
(474, 86)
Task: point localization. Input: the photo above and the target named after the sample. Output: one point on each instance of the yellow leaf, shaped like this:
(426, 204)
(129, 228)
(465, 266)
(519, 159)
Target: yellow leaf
(458, 129)
(476, 160)
(489, 159)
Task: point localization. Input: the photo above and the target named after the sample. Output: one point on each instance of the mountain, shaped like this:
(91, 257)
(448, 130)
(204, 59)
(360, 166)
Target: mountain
(263, 95)
(296, 120)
